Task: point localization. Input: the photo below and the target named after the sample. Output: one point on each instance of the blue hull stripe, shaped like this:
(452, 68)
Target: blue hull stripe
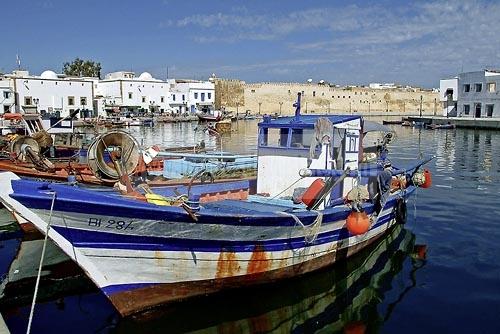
(105, 240)
(34, 195)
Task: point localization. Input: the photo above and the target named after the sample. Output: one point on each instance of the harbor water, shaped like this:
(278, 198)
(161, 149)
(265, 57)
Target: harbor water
(437, 273)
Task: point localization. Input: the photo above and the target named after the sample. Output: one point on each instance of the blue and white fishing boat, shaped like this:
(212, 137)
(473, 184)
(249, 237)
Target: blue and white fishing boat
(322, 197)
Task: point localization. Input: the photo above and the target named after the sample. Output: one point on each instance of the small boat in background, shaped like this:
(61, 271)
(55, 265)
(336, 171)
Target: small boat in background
(440, 126)
(392, 122)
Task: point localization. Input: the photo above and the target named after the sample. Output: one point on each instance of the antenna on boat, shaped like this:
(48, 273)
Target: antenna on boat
(297, 107)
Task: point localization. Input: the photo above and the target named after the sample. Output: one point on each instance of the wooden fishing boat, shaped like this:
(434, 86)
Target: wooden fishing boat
(392, 122)
(440, 126)
(318, 204)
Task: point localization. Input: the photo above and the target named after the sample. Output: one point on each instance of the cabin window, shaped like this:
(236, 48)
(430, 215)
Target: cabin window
(479, 87)
(273, 137)
(489, 110)
(71, 100)
(28, 100)
(466, 109)
(466, 88)
(301, 138)
(492, 87)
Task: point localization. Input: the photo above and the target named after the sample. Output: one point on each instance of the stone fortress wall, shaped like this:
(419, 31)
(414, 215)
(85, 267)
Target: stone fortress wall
(271, 98)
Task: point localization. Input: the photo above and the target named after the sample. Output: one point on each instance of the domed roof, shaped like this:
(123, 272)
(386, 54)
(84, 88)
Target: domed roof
(48, 75)
(145, 76)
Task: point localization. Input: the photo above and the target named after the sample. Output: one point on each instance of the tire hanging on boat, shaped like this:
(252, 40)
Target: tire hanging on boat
(400, 211)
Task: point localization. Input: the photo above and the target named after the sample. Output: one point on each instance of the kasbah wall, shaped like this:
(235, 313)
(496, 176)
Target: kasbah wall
(269, 98)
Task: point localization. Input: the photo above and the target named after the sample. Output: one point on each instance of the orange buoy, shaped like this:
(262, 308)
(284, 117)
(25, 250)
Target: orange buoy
(358, 222)
(355, 327)
(312, 193)
(428, 179)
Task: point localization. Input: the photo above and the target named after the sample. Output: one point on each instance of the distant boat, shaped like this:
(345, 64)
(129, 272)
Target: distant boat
(440, 126)
(392, 122)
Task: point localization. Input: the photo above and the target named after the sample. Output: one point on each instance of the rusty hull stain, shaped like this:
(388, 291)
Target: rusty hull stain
(227, 265)
(258, 261)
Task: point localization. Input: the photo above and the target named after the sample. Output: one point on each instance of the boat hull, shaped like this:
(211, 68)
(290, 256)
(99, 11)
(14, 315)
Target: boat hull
(142, 262)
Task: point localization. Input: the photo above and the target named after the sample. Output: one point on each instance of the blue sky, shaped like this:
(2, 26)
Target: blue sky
(352, 42)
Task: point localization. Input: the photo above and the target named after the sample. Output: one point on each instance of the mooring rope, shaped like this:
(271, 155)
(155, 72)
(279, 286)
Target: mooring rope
(28, 330)
(310, 232)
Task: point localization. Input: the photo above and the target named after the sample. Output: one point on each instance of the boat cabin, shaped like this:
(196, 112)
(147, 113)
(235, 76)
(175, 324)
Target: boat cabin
(288, 144)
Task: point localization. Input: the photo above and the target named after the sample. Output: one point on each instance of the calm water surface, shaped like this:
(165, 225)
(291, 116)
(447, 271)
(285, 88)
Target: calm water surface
(388, 288)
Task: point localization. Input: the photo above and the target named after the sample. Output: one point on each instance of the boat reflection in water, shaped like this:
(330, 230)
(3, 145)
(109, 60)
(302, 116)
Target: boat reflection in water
(351, 296)
(342, 298)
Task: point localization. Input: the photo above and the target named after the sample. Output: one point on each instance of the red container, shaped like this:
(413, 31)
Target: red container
(428, 179)
(311, 195)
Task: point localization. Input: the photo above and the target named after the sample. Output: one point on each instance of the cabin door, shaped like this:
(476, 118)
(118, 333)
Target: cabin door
(478, 110)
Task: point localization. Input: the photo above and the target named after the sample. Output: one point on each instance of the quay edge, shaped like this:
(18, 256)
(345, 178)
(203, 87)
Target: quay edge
(460, 122)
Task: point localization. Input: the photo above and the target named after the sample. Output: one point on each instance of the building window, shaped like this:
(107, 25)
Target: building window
(209, 95)
(195, 95)
(83, 101)
(202, 96)
(6, 95)
(173, 97)
(143, 99)
(466, 109)
(489, 110)
(314, 93)
(162, 99)
(466, 88)
(183, 97)
(28, 101)
(479, 87)
(71, 100)
(492, 87)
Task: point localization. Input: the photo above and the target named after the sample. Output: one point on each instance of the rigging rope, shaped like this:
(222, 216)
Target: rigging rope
(311, 231)
(28, 330)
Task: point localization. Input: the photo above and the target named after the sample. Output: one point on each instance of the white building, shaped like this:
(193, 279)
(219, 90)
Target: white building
(448, 96)
(192, 96)
(376, 85)
(123, 91)
(478, 94)
(50, 93)
(7, 100)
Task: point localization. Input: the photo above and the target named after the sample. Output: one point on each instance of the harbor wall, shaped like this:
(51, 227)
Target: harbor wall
(271, 98)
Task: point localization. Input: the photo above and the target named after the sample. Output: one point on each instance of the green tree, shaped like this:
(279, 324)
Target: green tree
(82, 68)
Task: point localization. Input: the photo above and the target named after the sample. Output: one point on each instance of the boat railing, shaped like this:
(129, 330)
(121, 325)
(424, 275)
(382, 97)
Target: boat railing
(308, 172)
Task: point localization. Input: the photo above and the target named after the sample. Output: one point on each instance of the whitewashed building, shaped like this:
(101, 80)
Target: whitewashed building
(478, 94)
(448, 96)
(50, 93)
(7, 100)
(124, 92)
(191, 96)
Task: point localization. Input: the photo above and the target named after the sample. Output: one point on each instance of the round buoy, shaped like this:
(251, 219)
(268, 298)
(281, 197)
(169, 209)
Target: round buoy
(355, 327)
(428, 179)
(358, 223)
